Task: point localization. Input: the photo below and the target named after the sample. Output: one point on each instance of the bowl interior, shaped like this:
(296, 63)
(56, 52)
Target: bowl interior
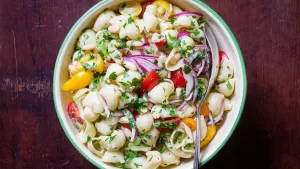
(226, 42)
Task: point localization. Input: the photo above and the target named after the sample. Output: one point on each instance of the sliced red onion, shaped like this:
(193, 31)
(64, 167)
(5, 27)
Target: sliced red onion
(190, 97)
(190, 83)
(141, 56)
(182, 34)
(148, 100)
(133, 135)
(126, 131)
(182, 106)
(146, 65)
(201, 68)
(174, 101)
(211, 120)
(139, 69)
(200, 47)
(186, 13)
(145, 98)
(118, 114)
(220, 116)
(193, 56)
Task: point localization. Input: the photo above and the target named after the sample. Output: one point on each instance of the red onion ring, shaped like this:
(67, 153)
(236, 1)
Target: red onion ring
(118, 114)
(190, 83)
(174, 101)
(182, 106)
(186, 13)
(126, 131)
(133, 135)
(201, 68)
(182, 34)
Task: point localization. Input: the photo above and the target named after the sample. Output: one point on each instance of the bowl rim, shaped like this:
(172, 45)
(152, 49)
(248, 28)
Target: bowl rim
(225, 27)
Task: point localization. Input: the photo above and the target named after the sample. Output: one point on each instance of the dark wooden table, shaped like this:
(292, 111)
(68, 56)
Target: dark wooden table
(268, 136)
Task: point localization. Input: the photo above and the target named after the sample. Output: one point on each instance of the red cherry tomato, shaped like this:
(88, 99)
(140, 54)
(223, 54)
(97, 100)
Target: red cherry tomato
(178, 79)
(161, 43)
(73, 111)
(169, 121)
(146, 39)
(222, 54)
(150, 81)
(145, 5)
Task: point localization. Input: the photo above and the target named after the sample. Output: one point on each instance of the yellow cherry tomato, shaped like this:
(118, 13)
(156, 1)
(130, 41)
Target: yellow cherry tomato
(164, 9)
(132, 8)
(191, 123)
(99, 64)
(204, 110)
(78, 81)
(211, 132)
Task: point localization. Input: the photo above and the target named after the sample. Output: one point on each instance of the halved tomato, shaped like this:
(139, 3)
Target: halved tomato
(73, 110)
(178, 79)
(160, 43)
(150, 81)
(222, 54)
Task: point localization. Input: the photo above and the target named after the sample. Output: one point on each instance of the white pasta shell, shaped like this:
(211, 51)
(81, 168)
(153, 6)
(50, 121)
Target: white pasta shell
(118, 141)
(131, 31)
(89, 115)
(226, 70)
(136, 163)
(172, 33)
(118, 69)
(113, 157)
(93, 101)
(176, 9)
(214, 101)
(159, 112)
(179, 152)
(111, 95)
(95, 148)
(165, 25)
(183, 21)
(227, 104)
(153, 160)
(203, 128)
(169, 158)
(144, 122)
(187, 41)
(87, 40)
(151, 141)
(115, 54)
(161, 92)
(102, 21)
(127, 78)
(169, 65)
(226, 88)
(150, 22)
(104, 128)
(126, 100)
(90, 131)
(119, 20)
(189, 111)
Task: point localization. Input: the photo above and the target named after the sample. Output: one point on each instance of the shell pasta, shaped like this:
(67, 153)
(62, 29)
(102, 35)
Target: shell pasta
(136, 78)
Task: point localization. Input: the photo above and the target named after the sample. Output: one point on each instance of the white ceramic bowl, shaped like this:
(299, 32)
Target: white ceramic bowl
(226, 42)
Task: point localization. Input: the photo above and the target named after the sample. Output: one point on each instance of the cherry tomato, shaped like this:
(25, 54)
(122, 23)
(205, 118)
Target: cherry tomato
(161, 43)
(222, 54)
(150, 81)
(73, 110)
(145, 5)
(178, 78)
(146, 39)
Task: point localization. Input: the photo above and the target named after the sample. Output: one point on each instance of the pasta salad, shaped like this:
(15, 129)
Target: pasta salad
(136, 78)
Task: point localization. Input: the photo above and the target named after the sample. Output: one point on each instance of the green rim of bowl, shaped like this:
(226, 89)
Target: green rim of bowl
(225, 26)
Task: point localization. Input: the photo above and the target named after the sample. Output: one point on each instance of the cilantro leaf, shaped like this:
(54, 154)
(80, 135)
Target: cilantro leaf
(113, 76)
(229, 86)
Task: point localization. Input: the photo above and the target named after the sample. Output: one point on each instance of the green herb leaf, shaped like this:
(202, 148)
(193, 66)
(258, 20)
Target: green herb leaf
(122, 6)
(91, 57)
(229, 86)
(111, 138)
(130, 20)
(195, 32)
(172, 38)
(137, 165)
(113, 76)
(173, 20)
(87, 66)
(187, 69)
(131, 155)
(88, 139)
(148, 136)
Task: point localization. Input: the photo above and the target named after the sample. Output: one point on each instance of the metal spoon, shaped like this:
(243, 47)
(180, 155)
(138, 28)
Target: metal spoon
(212, 45)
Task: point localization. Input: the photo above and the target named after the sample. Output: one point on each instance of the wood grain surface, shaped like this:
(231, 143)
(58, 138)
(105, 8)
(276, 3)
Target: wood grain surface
(268, 136)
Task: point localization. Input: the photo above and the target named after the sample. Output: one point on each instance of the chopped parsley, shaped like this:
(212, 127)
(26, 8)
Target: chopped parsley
(131, 155)
(124, 95)
(135, 82)
(105, 10)
(148, 136)
(87, 66)
(111, 138)
(162, 149)
(137, 165)
(172, 38)
(130, 20)
(79, 55)
(88, 139)
(195, 32)
(173, 20)
(157, 27)
(113, 76)
(139, 39)
(229, 86)
(117, 56)
(122, 6)
(187, 69)
(188, 146)
(91, 57)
